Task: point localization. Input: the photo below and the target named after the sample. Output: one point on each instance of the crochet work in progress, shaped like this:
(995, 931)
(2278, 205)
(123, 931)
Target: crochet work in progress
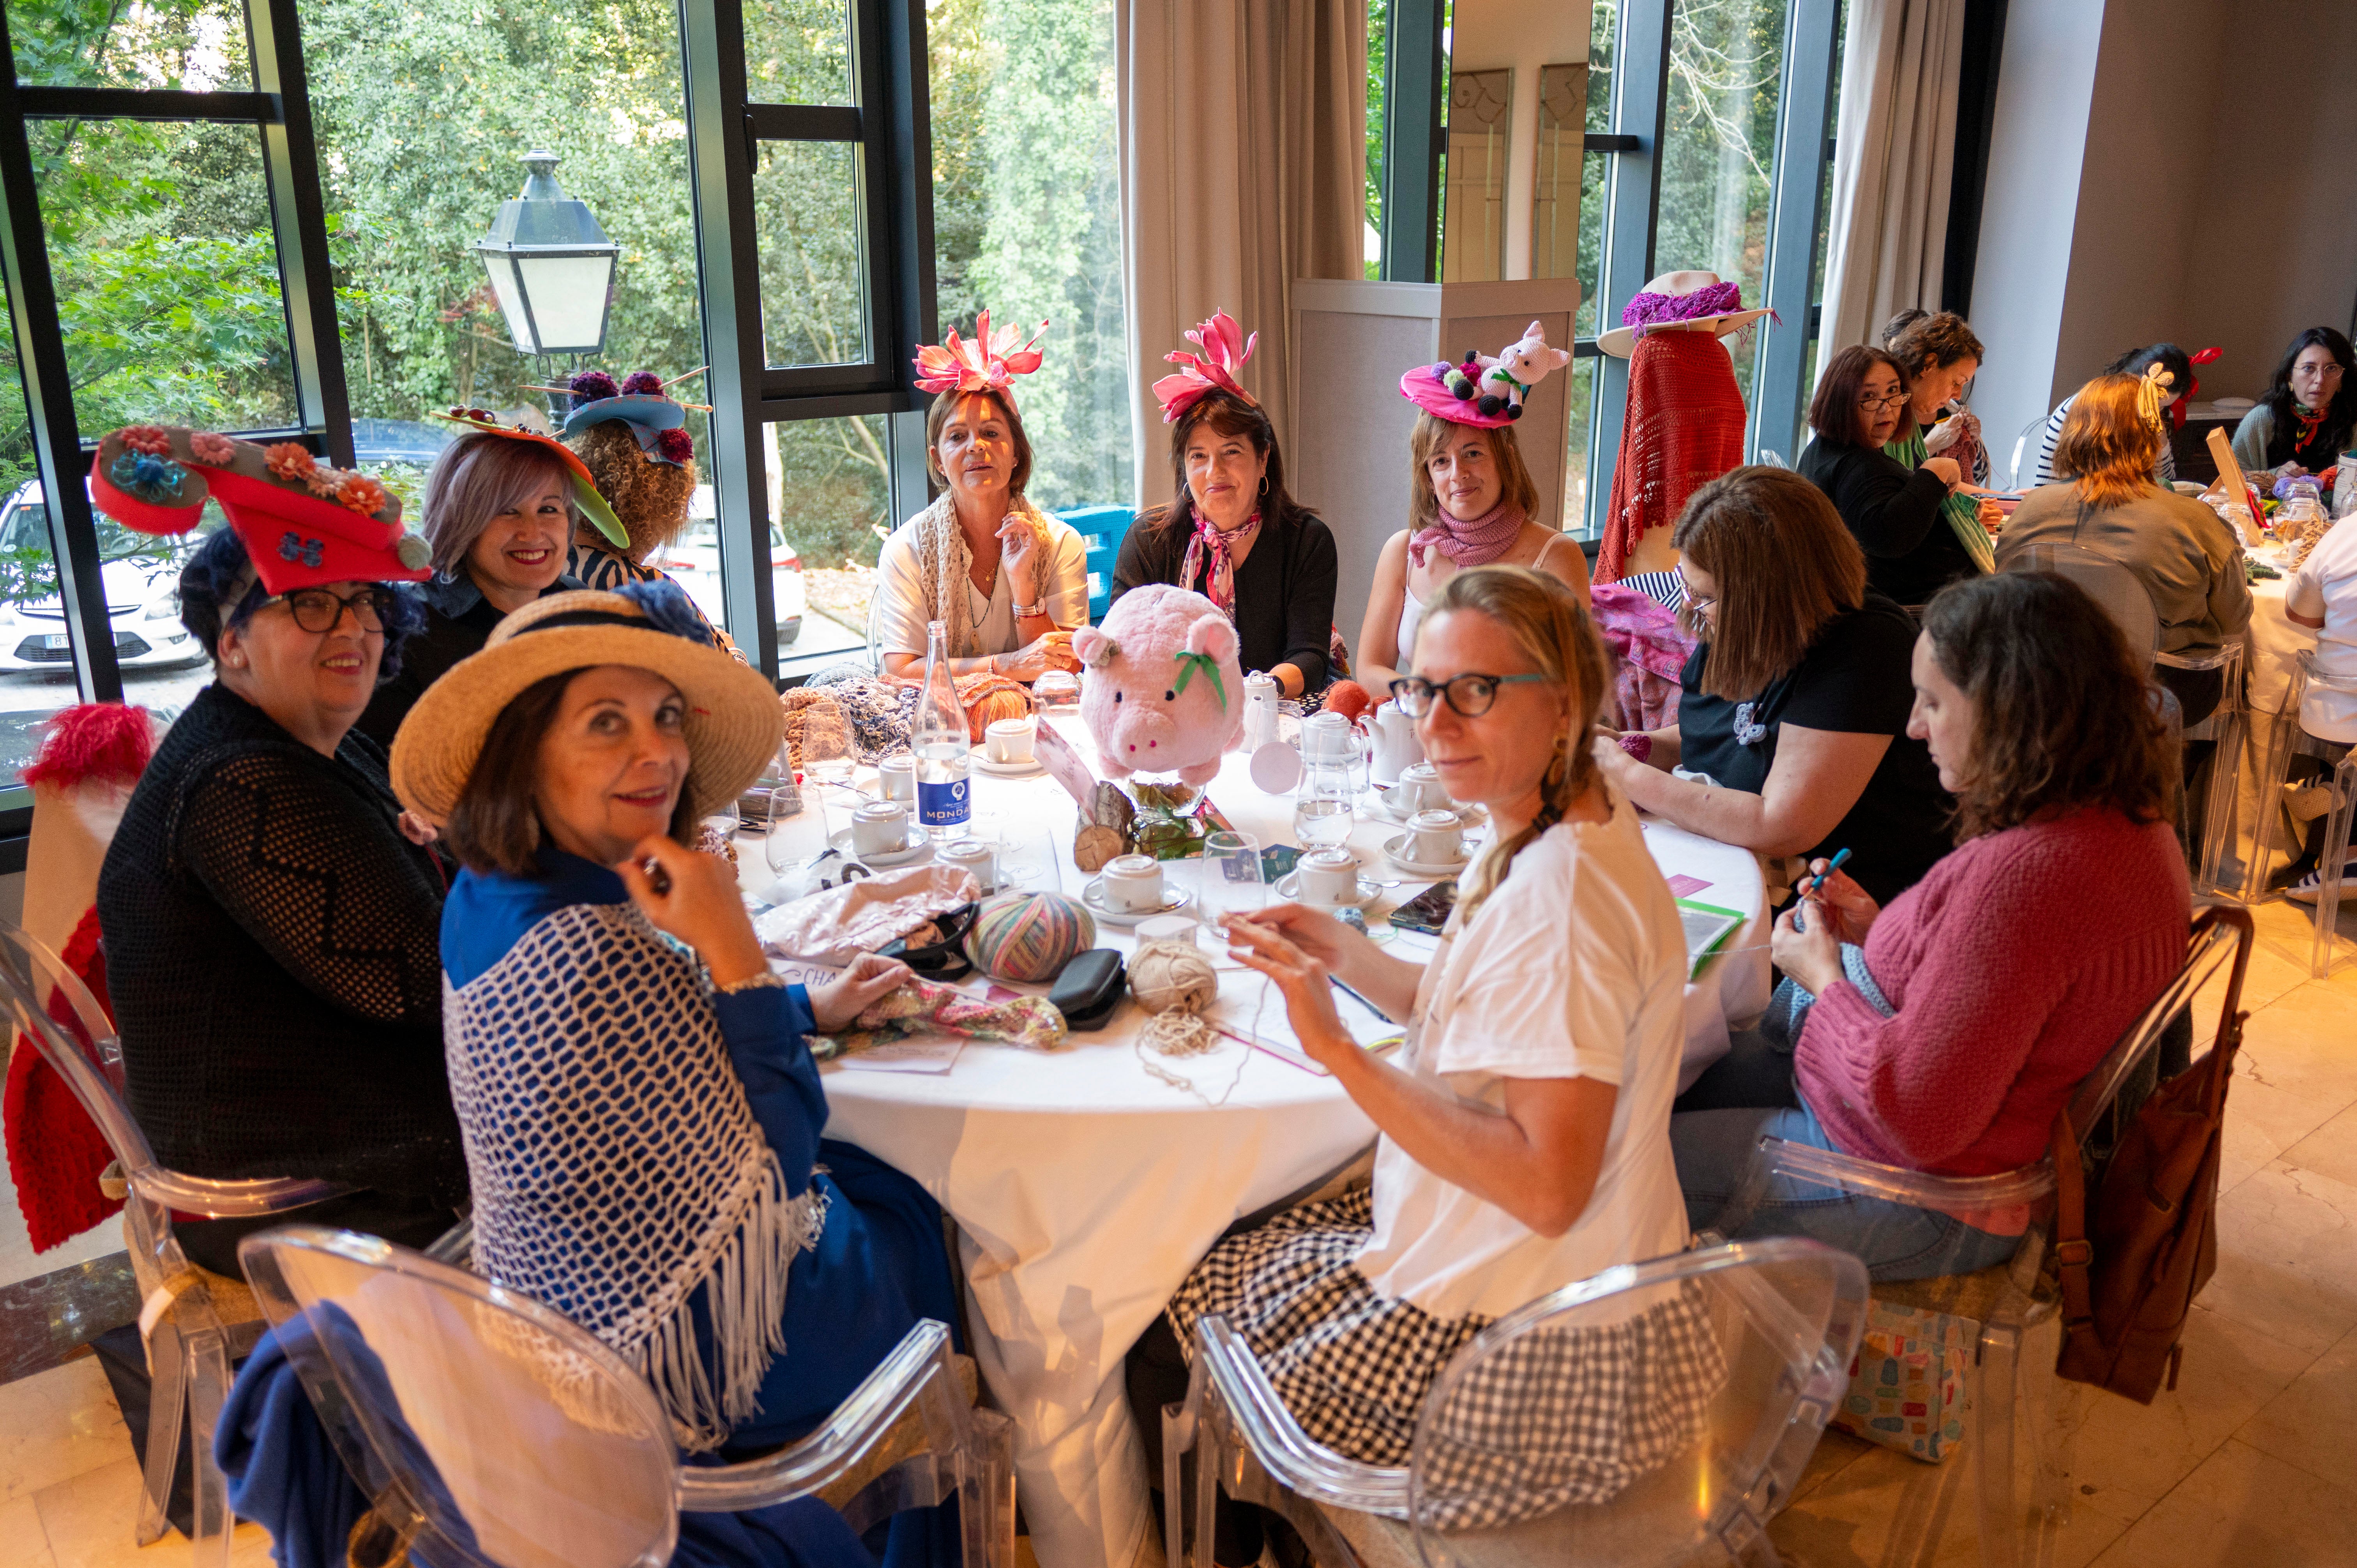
(922, 1007)
(590, 1073)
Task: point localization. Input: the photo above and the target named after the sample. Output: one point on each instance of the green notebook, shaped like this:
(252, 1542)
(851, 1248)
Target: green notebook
(1706, 926)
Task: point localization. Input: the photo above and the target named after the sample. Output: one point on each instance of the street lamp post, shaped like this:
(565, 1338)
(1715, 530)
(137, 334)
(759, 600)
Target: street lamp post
(552, 267)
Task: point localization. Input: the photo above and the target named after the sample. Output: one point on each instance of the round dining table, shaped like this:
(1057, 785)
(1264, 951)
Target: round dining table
(1085, 1182)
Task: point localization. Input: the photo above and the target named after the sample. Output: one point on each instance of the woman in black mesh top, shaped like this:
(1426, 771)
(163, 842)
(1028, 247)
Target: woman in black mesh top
(272, 936)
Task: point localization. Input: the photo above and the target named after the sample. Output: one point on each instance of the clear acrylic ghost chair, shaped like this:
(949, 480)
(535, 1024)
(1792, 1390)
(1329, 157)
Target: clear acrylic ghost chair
(489, 1431)
(2213, 838)
(2288, 739)
(193, 1321)
(2117, 591)
(1748, 1348)
(2016, 479)
(2009, 1395)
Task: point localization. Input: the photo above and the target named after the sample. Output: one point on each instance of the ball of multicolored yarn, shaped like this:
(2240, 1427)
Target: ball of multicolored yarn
(1028, 936)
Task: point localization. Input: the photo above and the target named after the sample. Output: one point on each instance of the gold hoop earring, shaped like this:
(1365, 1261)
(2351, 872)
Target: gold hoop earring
(1264, 484)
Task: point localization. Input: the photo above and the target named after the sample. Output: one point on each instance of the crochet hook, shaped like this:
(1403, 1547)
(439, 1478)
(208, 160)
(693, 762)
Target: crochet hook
(1800, 922)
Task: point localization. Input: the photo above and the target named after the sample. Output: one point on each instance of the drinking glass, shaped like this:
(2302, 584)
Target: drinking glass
(1228, 877)
(828, 757)
(1322, 805)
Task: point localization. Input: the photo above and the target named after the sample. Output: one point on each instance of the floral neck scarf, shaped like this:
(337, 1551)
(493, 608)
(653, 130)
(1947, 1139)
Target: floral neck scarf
(1209, 564)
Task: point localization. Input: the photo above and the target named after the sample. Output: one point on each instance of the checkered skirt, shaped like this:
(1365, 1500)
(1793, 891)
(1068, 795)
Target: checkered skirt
(1553, 1418)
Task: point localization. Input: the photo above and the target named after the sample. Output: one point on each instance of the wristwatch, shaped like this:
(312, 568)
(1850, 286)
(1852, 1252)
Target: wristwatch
(1022, 610)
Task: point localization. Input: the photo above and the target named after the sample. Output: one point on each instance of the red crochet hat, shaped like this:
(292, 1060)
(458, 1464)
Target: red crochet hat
(304, 523)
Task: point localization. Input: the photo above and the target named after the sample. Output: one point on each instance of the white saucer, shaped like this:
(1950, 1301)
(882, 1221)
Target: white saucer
(1437, 871)
(914, 848)
(1024, 769)
(1093, 896)
(1471, 815)
(1288, 887)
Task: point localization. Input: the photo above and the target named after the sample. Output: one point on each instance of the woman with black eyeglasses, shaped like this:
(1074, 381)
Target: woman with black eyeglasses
(1524, 1124)
(1893, 511)
(272, 939)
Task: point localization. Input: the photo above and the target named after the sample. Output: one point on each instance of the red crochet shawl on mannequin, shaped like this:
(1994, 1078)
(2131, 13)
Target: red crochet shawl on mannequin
(1684, 427)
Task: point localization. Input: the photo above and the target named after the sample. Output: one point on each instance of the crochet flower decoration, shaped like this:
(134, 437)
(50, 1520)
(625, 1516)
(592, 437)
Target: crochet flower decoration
(212, 448)
(361, 493)
(148, 477)
(989, 361)
(667, 607)
(1225, 349)
(147, 439)
(675, 446)
(324, 482)
(290, 461)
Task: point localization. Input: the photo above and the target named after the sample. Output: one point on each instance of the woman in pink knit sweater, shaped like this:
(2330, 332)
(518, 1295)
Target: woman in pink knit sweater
(1944, 1032)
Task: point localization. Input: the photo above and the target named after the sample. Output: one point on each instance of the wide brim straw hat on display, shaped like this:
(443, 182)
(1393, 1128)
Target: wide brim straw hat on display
(733, 725)
(1685, 302)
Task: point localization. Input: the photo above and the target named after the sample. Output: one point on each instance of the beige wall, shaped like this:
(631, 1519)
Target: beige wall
(1486, 35)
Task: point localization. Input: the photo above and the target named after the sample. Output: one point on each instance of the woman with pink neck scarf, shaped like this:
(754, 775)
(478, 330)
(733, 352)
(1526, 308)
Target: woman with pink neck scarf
(1233, 534)
(1469, 504)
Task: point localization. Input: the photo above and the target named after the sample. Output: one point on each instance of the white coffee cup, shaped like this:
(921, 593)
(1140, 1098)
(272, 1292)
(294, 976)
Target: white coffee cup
(1132, 884)
(974, 855)
(897, 775)
(1007, 741)
(1436, 838)
(1328, 876)
(1419, 790)
(880, 827)
(1166, 928)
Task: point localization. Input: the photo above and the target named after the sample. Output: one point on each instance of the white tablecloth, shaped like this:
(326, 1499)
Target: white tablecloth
(1086, 1188)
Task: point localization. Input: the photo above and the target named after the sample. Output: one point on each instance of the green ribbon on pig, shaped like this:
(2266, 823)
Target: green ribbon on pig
(1188, 663)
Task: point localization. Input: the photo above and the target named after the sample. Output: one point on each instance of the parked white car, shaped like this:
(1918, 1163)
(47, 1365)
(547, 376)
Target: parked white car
(694, 562)
(141, 573)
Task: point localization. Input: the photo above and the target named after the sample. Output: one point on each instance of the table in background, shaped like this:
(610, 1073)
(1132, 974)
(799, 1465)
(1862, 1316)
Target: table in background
(1086, 1188)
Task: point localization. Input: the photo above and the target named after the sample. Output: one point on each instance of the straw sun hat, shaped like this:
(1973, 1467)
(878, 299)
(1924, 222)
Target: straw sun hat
(734, 722)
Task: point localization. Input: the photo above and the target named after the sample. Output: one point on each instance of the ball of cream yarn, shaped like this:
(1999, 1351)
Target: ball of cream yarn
(1170, 975)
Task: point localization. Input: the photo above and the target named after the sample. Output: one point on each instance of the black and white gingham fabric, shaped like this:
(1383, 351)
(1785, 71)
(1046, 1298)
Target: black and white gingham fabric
(1551, 1419)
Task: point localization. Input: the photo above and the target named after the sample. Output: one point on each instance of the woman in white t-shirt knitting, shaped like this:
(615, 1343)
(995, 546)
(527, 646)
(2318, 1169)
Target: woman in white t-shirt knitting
(1526, 1129)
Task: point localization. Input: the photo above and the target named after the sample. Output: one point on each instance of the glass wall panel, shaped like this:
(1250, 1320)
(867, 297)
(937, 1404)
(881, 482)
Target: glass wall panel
(806, 199)
(1719, 151)
(1026, 222)
(1473, 231)
(798, 51)
(1555, 200)
(167, 274)
(828, 488)
(195, 45)
(1579, 517)
(423, 114)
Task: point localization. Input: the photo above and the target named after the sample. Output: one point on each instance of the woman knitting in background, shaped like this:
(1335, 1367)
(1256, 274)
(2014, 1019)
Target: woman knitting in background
(1896, 513)
(2309, 416)
(1470, 501)
(1790, 734)
(1010, 581)
(1939, 356)
(1943, 1030)
(1235, 534)
(1524, 1141)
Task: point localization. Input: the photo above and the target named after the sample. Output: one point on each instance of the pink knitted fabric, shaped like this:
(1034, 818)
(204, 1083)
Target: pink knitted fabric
(2014, 965)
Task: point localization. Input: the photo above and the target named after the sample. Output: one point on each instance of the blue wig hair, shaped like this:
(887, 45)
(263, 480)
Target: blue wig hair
(212, 575)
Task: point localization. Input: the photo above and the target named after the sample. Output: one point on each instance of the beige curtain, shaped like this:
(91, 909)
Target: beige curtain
(1242, 167)
(1894, 149)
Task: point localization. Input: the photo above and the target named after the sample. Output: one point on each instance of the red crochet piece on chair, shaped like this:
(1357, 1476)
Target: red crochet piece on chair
(55, 1152)
(1684, 428)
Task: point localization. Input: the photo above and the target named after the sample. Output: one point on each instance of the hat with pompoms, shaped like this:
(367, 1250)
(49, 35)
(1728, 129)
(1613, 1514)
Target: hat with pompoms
(655, 417)
(303, 523)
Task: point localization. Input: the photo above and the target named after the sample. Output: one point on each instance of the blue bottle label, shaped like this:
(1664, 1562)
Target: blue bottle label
(942, 805)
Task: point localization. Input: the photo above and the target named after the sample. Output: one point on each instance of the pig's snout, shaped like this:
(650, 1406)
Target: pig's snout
(1142, 730)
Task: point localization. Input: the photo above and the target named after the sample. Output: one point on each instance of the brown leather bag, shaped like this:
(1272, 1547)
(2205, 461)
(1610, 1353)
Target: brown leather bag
(2132, 1260)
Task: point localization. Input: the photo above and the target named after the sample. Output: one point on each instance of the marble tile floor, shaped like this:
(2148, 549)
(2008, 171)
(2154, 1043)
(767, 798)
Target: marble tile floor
(2246, 1464)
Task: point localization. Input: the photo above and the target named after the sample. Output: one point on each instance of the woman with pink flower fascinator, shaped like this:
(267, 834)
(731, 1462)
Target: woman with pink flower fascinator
(1010, 582)
(1234, 534)
(1471, 499)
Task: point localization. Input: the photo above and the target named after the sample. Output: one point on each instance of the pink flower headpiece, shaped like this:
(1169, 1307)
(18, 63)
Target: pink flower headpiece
(988, 362)
(1213, 370)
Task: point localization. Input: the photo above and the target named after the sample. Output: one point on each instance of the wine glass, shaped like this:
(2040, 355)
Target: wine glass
(1228, 877)
(1322, 804)
(827, 754)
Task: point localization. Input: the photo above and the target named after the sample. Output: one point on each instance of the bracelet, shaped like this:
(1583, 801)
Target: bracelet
(1023, 610)
(767, 979)
(1640, 747)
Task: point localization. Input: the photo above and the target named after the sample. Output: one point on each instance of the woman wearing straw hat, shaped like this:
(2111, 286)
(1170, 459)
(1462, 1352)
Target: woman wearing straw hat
(642, 1118)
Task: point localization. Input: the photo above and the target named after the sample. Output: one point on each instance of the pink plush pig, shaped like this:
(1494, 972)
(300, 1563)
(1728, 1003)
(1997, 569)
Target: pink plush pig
(1163, 691)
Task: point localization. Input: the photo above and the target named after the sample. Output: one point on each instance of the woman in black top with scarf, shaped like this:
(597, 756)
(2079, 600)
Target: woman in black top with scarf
(1234, 535)
(273, 939)
(1893, 511)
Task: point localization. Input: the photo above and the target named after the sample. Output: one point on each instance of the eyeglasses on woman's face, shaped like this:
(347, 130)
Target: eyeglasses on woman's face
(1469, 695)
(1873, 404)
(318, 610)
